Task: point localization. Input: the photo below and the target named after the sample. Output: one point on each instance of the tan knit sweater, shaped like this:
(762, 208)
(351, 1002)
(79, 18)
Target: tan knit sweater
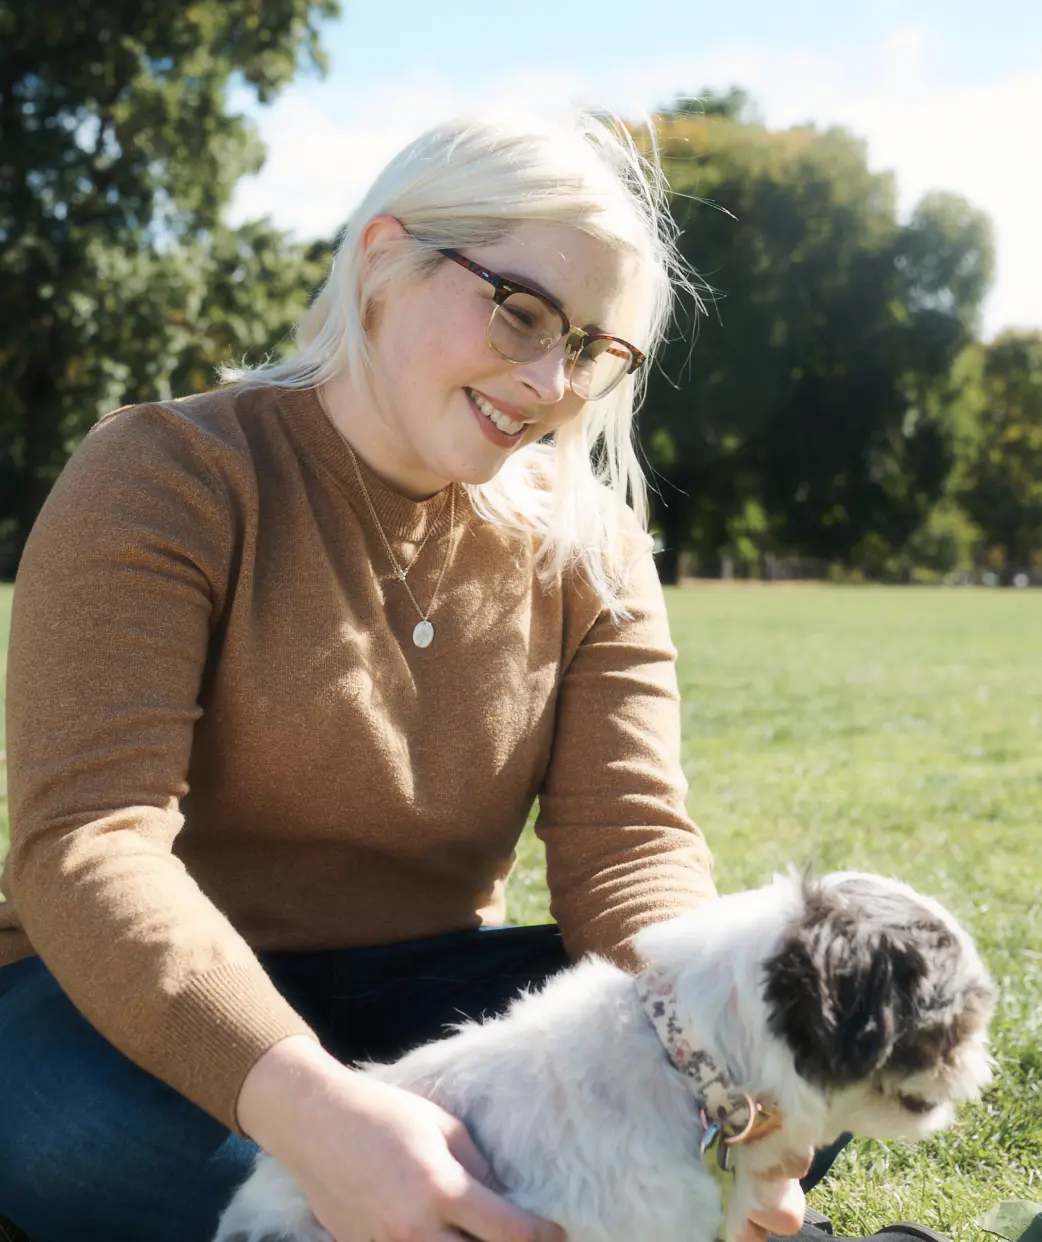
(221, 737)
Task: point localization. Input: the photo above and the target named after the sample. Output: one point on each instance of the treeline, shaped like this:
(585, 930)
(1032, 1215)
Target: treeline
(119, 151)
(835, 405)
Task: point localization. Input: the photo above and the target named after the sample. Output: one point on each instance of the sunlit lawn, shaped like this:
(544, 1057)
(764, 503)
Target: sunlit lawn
(898, 730)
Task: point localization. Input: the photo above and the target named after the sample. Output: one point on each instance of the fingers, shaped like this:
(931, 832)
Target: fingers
(469, 1155)
(779, 1208)
(482, 1214)
(793, 1164)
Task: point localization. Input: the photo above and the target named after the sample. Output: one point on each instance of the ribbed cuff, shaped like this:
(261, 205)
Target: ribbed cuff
(215, 1030)
(609, 933)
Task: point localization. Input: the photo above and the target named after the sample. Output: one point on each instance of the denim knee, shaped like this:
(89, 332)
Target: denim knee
(91, 1146)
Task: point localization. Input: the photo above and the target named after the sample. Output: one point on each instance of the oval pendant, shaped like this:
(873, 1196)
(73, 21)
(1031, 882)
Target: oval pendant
(423, 634)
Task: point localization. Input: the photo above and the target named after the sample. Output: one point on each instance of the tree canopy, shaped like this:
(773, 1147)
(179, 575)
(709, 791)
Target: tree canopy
(833, 403)
(999, 481)
(811, 405)
(119, 152)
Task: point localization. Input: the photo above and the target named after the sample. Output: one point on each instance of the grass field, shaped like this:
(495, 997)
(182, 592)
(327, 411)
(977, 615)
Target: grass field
(898, 730)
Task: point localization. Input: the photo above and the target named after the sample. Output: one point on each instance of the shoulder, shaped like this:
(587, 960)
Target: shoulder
(166, 475)
(205, 433)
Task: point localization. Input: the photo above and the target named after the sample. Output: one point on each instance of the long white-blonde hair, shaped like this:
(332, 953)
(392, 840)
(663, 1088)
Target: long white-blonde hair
(468, 182)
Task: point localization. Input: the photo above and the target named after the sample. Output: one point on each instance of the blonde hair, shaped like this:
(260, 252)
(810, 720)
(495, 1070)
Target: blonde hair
(467, 183)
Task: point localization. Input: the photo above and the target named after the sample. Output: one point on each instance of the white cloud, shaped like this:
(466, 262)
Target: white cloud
(977, 141)
(325, 148)
(327, 143)
(320, 160)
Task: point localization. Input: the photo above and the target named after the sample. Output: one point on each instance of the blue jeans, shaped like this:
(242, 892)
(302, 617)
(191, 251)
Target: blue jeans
(94, 1149)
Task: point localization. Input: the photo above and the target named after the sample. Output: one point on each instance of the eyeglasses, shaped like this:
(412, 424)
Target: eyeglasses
(525, 325)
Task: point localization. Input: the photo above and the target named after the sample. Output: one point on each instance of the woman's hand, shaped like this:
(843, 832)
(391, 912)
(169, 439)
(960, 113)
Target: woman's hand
(779, 1199)
(376, 1163)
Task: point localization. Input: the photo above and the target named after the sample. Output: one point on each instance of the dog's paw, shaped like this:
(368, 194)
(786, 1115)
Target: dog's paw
(269, 1207)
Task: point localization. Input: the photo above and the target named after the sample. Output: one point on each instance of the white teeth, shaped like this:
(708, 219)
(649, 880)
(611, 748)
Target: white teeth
(502, 422)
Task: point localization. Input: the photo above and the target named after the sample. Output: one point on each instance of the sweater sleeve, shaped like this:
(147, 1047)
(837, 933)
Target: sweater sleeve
(117, 597)
(621, 850)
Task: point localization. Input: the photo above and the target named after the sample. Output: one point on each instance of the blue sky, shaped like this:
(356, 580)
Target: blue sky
(948, 95)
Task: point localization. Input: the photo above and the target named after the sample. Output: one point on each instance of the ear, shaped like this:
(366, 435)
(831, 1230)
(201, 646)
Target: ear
(382, 230)
(837, 989)
(383, 239)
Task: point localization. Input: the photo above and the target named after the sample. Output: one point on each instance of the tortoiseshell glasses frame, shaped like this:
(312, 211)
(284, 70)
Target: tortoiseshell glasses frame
(578, 338)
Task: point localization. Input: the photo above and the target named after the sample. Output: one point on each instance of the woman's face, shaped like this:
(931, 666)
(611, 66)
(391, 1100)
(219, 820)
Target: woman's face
(436, 379)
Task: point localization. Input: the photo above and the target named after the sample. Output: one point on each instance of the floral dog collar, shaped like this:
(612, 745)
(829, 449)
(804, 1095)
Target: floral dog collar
(727, 1114)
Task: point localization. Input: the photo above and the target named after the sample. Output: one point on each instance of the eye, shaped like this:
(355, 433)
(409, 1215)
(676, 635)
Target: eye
(518, 315)
(914, 1103)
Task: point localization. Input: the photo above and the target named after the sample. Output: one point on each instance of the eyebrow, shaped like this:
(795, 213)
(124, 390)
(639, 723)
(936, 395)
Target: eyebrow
(534, 284)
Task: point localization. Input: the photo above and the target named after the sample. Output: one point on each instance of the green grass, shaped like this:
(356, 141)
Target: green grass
(898, 730)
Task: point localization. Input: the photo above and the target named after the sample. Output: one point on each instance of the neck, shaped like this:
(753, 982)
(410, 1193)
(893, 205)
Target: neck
(721, 1103)
(365, 429)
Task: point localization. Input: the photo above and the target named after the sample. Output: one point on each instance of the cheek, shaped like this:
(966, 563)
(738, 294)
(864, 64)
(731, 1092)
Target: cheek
(566, 411)
(438, 343)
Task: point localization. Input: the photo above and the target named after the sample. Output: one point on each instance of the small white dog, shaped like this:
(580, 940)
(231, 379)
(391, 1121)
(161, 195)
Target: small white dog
(779, 1018)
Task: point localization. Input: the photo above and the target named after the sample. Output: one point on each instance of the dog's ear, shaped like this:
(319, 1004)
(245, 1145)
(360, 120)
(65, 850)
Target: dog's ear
(837, 990)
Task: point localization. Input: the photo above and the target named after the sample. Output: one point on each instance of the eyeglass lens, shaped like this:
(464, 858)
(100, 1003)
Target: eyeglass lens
(524, 328)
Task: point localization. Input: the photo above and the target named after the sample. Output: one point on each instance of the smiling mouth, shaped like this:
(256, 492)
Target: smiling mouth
(508, 426)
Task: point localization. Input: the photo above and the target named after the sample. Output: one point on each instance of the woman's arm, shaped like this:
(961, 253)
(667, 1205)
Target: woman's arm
(621, 849)
(120, 588)
(376, 1163)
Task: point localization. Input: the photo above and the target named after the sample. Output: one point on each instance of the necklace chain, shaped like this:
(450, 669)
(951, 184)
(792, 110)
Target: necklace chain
(423, 629)
(400, 571)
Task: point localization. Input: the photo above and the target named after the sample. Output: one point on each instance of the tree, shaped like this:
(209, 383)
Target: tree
(815, 390)
(230, 295)
(119, 152)
(1000, 475)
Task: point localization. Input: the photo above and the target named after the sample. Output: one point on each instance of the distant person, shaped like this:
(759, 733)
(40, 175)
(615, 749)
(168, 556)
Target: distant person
(290, 663)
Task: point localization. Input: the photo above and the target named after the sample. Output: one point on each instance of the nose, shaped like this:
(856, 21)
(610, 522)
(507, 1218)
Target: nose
(547, 376)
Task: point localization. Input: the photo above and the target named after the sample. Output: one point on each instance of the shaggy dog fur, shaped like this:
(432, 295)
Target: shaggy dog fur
(849, 1002)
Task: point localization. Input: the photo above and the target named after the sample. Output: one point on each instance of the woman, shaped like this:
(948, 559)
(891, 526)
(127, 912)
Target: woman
(289, 664)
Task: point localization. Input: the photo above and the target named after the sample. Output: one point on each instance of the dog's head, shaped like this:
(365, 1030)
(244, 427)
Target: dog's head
(883, 1001)
(853, 1001)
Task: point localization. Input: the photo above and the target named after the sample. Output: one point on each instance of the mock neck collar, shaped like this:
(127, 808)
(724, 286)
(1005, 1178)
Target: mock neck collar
(402, 518)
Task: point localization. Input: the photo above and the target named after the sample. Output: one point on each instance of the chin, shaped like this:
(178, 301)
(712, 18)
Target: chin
(848, 1002)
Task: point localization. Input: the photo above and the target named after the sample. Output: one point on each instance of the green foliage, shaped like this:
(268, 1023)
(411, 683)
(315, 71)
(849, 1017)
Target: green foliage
(818, 384)
(736, 103)
(1000, 481)
(896, 730)
(945, 544)
(119, 154)
(257, 287)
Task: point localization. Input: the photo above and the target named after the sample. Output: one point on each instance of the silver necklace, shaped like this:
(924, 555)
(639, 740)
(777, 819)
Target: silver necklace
(423, 630)
(432, 526)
